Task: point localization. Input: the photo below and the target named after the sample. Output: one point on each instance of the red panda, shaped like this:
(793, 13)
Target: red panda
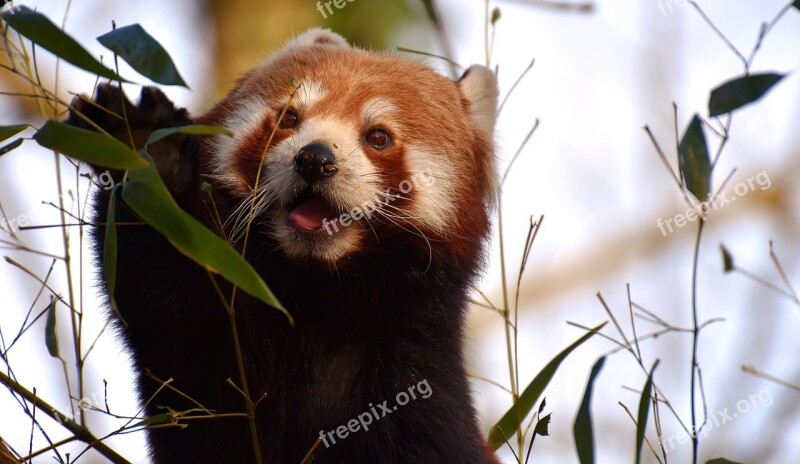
(370, 177)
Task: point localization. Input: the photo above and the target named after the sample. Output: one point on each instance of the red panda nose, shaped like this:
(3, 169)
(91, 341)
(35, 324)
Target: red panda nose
(315, 161)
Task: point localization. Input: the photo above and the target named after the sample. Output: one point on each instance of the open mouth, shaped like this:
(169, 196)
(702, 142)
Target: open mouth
(309, 211)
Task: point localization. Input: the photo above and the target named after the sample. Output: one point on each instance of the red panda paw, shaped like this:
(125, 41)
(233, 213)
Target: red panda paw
(113, 112)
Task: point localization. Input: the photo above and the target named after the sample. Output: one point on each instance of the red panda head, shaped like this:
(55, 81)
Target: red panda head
(370, 148)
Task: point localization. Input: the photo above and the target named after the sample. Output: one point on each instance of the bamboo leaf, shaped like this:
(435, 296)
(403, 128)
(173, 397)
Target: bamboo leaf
(741, 91)
(147, 195)
(42, 32)
(11, 146)
(140, 50)
(727, 258)
(50, 338)
(164, 418)
(85, 145)
(582, 429)
(543, 426)
(507, 425)
(194, 129)
(693, 160)
(496, 15)
(644, 410)
(9, 131)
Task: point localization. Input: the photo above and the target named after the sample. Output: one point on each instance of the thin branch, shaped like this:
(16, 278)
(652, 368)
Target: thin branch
(752, 370)
(514, 86)
(80, 432)
(718, 32)
(519, 150)
(647, 440)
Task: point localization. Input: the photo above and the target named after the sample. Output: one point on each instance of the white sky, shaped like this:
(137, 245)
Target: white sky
(591, 170)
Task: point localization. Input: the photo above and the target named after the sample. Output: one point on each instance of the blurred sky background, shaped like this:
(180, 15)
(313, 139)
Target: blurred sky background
(599, 77)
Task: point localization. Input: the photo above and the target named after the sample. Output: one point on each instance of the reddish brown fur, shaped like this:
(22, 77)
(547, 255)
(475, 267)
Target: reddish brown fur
(445, 125)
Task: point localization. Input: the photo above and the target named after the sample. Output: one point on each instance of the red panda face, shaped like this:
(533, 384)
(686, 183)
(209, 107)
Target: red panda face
(336, 148)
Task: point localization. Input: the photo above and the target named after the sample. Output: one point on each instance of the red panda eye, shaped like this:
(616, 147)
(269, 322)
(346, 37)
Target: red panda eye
(290, 120)
(378, 138)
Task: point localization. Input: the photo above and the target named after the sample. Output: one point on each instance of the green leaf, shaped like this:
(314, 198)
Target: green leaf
(644, 410)
(741, 91)
(693, 160)
(723, 460)
(168, 418)
(164, 418)
(50, 338)
(41, 31)
(90, 146)
(543, 426)
(496, 15)
(140, 50)
(7, 148)
(147, 195)
(727, 258)
(8, 131)
(796, 4)
(507, 425)
(582, 429)
(194, 129)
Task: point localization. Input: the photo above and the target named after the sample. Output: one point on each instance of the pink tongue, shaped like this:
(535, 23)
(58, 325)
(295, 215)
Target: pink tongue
(310, 214)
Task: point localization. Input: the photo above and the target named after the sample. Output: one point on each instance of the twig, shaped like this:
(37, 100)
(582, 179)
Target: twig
(663, 157)
(695, 344)
(80, 432)
(782, 273)
(519, 150)
(488, 380)
(718, 32)
(308, 458)
(752, 370)
(514, 86)
(650, 445)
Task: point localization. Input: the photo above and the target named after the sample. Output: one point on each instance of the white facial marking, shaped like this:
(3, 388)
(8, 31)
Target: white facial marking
(245, 119)
(356, 178)
(433, 204)
(378, 109)
(356, 182)
(324, 248)
(308, 94)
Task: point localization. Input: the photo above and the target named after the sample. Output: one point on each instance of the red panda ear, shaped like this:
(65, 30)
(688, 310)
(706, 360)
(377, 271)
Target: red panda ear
(316, 37)
(478, 84)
